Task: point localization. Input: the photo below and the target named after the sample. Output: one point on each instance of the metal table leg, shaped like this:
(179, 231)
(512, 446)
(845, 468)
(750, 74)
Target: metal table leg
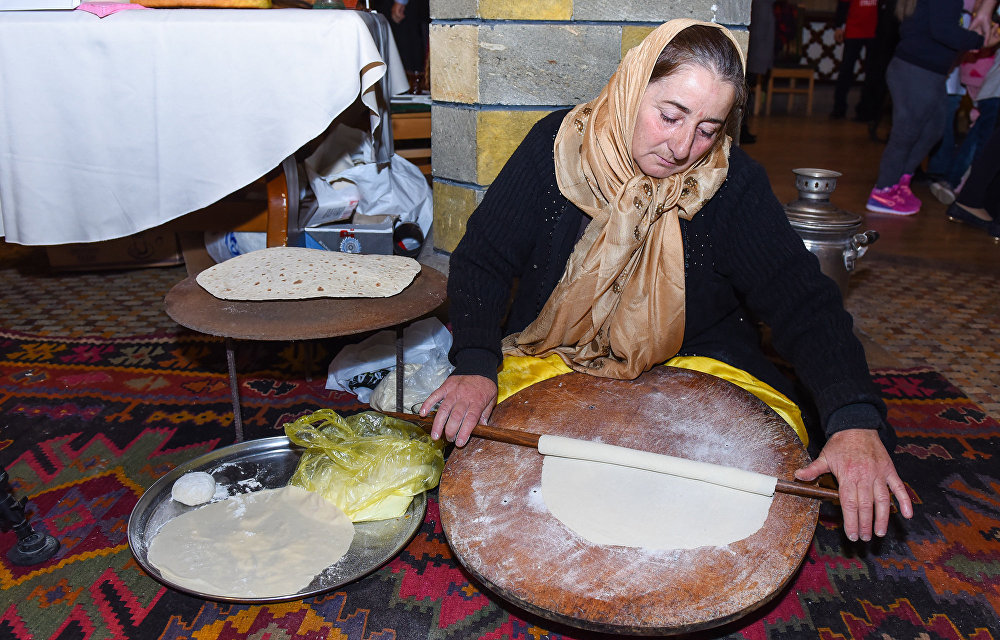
(399, 369)
(234, 390)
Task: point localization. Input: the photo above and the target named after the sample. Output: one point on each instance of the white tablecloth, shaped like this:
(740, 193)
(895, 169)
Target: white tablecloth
(111, 126)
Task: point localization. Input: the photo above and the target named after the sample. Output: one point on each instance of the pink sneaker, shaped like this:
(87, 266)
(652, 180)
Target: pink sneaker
(890, 200)
(906, 193)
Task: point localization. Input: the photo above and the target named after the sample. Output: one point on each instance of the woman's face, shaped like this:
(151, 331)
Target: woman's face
(680, 117)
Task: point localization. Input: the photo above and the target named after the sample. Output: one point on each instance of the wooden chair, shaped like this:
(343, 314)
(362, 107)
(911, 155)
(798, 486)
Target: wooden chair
(411, 133)
(791, 74)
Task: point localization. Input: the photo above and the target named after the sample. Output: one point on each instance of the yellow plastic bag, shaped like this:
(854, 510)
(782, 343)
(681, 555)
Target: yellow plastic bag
(369, 465)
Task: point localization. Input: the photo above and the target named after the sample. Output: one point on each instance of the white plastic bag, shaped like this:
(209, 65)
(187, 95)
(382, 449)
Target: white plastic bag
(336, 196)
(358, 368)
(224, 245)
(346, 157)
(419, 381)
(401, 191)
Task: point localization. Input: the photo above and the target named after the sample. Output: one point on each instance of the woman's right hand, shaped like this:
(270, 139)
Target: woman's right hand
(465, 402)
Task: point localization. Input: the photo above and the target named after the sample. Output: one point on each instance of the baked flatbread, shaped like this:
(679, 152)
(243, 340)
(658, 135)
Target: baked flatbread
(294, 273)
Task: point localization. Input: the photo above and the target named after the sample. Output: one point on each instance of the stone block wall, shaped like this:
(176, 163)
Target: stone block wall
(498, 66)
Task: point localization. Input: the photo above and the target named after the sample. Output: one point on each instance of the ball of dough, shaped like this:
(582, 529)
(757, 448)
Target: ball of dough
(193, 488)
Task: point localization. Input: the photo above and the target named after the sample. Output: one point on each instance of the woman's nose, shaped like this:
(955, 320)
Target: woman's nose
(680, 145)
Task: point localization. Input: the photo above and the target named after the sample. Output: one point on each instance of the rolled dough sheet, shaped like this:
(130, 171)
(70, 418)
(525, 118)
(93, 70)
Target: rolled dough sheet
(265, 544)
(613, 504)
(705, 471)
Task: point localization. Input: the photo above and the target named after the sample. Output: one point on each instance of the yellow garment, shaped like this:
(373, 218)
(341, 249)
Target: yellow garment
(626, 274)
(520, 372)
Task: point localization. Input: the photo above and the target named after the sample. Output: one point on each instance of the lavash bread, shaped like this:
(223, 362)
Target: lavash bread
(294, 273)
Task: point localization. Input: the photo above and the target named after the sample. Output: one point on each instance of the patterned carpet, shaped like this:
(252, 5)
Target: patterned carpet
(90, 415)
(88, 423)
(934, 315)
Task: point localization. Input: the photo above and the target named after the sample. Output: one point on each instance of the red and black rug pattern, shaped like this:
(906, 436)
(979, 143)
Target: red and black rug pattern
(87, 424)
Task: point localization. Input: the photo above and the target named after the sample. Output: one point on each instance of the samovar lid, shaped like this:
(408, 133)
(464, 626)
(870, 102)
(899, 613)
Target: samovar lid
(813, 209)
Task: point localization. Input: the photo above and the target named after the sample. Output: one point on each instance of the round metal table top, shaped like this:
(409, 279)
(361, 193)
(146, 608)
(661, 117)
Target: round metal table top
(497, 523)
(191, 306)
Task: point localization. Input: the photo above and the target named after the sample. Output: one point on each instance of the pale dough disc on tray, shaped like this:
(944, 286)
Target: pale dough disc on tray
(295, 273)
(266, 544)
(614, 504)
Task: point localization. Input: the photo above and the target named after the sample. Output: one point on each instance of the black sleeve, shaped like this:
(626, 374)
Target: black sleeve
(946, 27)
(781, 283)
(499, 238)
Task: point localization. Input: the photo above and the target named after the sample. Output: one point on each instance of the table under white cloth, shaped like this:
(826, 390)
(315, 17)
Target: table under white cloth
(109, 126)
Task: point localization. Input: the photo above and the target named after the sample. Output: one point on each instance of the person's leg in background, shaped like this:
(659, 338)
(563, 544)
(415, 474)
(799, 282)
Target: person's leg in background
(870, 97)
(918, 103)
(981, 189)
(877, 58)
(978, 135)
(941, 160)
(845, 77)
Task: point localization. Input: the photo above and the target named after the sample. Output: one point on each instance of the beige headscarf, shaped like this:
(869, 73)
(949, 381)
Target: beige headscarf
(619, 307)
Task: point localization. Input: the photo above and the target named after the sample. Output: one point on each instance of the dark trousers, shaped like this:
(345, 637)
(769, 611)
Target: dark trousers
(845, 78)
(984, 178)
(919, 100)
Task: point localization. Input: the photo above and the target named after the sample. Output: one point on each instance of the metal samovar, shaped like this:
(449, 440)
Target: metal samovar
(829, 232)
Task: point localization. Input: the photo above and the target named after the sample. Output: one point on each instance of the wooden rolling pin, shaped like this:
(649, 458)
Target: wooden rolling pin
(527, 439)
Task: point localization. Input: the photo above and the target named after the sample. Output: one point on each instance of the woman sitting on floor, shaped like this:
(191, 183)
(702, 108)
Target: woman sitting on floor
(639, 237)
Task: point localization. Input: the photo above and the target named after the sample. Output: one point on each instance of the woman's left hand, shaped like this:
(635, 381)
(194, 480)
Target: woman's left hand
(865, 475)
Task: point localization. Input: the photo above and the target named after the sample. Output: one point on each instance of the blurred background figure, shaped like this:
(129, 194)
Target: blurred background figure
(410, 23)
(760, 59)
(856, 22)
(978, 204)
(931, 37)
(980, 76)
(877, 57)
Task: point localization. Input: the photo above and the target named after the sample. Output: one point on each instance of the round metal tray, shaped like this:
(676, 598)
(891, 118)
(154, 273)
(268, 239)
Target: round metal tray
(267, 463)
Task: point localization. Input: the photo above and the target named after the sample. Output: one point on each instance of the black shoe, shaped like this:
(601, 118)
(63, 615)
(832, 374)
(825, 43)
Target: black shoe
(837, 115)
(747, 138)
(957, 213)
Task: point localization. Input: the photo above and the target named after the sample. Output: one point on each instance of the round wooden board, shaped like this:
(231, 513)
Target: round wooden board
(189, 305)
(498, 525)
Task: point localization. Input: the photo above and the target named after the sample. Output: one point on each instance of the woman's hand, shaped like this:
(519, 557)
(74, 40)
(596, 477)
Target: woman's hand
(866, 475)
(982, 19)
(398, 12)
(992, 37)
(465, 402)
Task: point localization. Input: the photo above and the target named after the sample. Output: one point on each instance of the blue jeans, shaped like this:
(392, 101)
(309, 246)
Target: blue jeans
(973, 143)
(941, 160)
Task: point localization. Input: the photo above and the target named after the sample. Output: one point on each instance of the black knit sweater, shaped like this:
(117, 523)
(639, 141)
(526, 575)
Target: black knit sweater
(743, 263)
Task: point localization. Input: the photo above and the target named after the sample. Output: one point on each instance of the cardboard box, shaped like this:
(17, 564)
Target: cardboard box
(348, 238)
(151, 248)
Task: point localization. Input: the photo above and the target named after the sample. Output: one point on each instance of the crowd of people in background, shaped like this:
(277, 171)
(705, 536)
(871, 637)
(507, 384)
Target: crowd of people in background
(935, 61)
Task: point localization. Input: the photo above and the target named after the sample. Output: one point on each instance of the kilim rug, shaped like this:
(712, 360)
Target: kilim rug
(87, 424)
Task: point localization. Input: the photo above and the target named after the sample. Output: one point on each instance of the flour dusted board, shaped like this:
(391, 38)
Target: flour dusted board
(294, 273)
(499, 527)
